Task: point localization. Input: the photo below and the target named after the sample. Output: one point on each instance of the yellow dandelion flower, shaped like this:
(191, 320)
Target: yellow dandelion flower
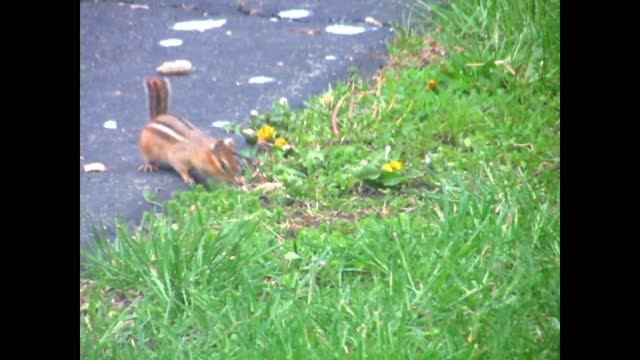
(431, 84)
(280, 142)
(395, 165)
(387, 167)
(265, 133)
(326, 99)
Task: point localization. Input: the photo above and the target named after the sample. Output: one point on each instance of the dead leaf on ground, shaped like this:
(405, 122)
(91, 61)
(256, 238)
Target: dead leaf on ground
(269, 186)
(308, 31)
(504, 63)
(372, 21)
(175, 67)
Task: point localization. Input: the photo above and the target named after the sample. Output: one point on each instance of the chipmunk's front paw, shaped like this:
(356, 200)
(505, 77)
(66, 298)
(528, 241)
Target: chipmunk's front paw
(147, 167)
(188, 179)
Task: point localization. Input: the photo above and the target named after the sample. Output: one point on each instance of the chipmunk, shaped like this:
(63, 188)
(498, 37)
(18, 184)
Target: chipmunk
(170, 140)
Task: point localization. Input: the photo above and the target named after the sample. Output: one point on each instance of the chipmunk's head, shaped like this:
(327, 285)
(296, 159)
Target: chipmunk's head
(222, 162)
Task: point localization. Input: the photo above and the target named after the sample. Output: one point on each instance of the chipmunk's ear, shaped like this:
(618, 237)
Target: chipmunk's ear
(230, 142)
(218, 146)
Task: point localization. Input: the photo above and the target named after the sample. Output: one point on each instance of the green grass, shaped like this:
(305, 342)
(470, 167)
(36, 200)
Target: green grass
(454, 256)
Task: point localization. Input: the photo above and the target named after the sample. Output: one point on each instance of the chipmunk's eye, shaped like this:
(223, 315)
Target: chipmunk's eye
(224, 165)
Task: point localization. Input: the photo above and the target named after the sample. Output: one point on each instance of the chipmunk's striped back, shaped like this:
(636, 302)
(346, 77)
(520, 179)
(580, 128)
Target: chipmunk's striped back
(170, 127)
(166, 132)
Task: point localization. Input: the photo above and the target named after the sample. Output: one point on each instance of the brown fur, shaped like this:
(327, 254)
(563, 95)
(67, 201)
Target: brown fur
(170, 140)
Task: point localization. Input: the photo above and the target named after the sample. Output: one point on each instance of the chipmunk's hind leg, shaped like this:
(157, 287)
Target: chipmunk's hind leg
(151, 153)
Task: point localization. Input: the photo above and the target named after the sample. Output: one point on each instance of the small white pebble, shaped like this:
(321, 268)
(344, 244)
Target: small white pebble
(283, 101)
(260, 80)
(220, 123)
(96, 166)
(170, 42)
(344, 29)
(330, 57)
(199, 25)
(294, 13)
(110, 124)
